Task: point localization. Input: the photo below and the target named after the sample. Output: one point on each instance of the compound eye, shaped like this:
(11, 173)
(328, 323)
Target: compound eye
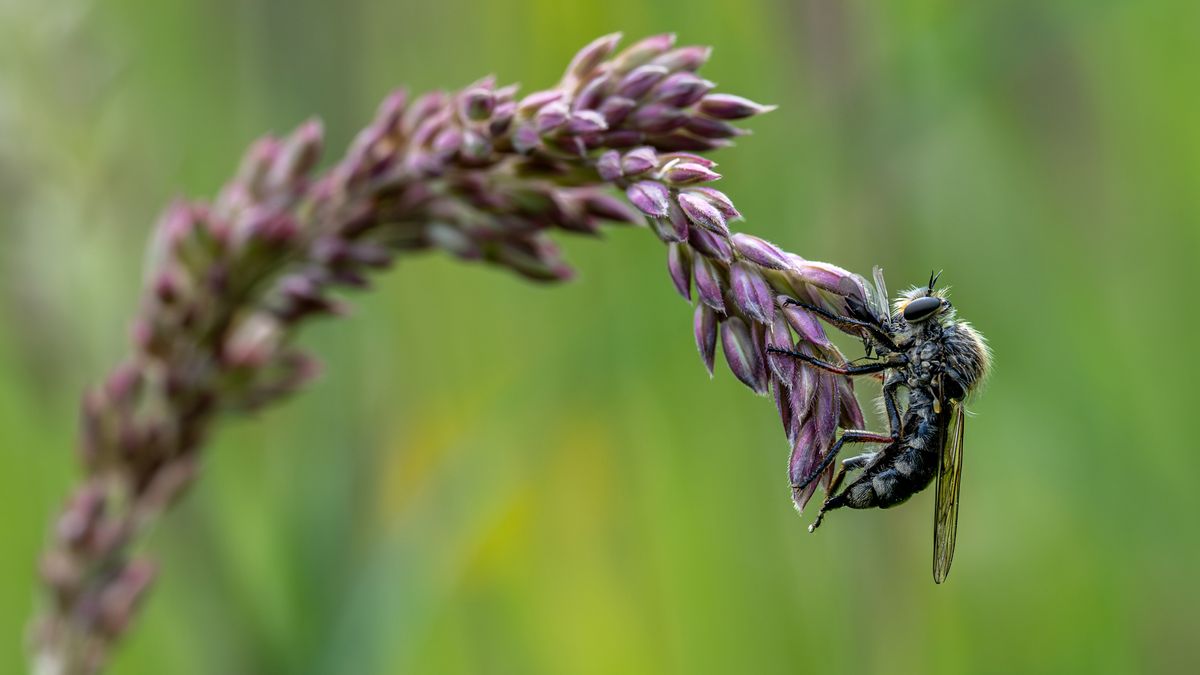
(922, 308)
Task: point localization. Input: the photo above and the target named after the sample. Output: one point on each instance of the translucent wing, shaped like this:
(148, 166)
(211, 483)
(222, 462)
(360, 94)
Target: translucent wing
(882, 301)
(945, 510)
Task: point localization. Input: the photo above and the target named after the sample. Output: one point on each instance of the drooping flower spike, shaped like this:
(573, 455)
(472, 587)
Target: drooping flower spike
(482, 174)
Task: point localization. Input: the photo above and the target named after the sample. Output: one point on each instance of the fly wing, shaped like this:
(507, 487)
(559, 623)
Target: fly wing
(949, 478)
(882, 301)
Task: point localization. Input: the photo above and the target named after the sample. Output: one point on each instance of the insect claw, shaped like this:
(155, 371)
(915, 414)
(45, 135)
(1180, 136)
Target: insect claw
(817, 523)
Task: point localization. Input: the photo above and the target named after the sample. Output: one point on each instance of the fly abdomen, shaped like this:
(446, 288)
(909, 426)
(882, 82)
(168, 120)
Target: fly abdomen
(902, 470)
(896, 478)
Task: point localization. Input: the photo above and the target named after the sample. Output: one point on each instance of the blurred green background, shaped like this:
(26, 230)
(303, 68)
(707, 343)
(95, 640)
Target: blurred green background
(494, 477)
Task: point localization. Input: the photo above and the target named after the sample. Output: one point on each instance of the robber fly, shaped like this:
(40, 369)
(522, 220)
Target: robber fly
(921, 347)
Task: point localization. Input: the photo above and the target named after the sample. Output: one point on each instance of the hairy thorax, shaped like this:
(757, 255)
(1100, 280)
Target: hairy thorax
(951, 358)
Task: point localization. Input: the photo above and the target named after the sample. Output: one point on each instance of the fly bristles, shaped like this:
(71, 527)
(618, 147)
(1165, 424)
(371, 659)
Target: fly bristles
(981, 352)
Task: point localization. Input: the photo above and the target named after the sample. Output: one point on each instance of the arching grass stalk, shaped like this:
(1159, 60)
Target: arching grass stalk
(481, 174)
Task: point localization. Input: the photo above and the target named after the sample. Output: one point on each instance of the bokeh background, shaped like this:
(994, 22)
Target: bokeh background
(494, 477)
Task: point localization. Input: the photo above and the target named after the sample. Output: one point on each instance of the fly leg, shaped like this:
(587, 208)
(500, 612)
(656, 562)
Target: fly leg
(847, 324)
(848, 436)
(854, 463)
(890, 385)
(846, 369)
(850, 464)
(834, 502)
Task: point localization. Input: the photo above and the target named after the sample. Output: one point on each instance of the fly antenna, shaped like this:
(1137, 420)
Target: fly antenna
(933, 277)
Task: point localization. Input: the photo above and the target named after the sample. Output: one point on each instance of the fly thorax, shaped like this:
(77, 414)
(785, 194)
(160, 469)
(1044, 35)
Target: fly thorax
(923, 363)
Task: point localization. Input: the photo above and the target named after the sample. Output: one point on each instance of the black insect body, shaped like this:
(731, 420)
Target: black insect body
(938, 361)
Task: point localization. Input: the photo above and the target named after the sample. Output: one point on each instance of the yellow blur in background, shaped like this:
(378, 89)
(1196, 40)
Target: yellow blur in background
(494, 477)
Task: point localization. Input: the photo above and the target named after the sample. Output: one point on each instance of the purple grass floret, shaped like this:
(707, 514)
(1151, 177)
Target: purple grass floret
(759, 251)
(712, 245)
(743, 354)
(642, 52)
(689, 173)
(807, 450)
(689, 58)
(609, 166)
(702, 212)
(639, 161)
(640, 80)
(535, 101)
(678, 222)
(651, 197)
(590, 57)
(658, 118)
(679, 263)
(551, 117)
(718, 199)
(806, 325)
(476, 105)
(615, 110)
(851, 414)
(709, 283)
(782, 367)
(730, 107)
(584, 122)
(707, 127)
(753, 295)
(668, 229)
(704, 325)
(682, 89)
